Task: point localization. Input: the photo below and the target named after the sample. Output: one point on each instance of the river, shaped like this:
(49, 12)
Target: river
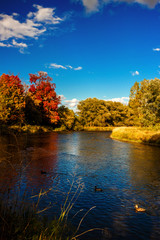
(128, 173)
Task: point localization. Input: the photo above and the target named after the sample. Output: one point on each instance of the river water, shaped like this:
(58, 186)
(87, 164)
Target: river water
(128, 173)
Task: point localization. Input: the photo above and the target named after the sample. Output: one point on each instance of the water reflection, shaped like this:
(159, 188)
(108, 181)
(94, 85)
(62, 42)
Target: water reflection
(127, 173)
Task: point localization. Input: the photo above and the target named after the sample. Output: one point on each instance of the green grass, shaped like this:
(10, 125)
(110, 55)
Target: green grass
(150, 135)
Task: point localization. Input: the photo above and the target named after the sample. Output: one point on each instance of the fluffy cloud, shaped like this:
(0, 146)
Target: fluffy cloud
(44, 15)
(15, 44)
(95, 5)
(19, 45)
(156, 49)
(123, 100)
(136, 73)
(5, 44)
(12, 28)
(71, 103)
(91, 5)
(34, 25)
(56, 66)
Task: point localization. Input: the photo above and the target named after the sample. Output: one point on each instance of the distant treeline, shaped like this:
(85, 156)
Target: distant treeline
(38, 103)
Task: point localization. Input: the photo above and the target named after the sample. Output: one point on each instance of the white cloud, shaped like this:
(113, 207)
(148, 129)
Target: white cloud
(15, 44)
(71, 103)
(5, 45)
(123, 100)
(44, 15)
(32, 27)
(56, 66)
(136, 73)
(69, 66)
(12, 28)
(20, 45)
(91, 5)
(95, 5)
(62, 97)
(156, 49)
(78, 68)
(149, 3)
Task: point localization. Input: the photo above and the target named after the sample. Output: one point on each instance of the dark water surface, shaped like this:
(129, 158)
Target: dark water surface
(128, 173)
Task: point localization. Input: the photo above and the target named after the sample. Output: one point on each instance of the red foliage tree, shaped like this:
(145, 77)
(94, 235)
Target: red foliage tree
(42, 92)
(11, 99)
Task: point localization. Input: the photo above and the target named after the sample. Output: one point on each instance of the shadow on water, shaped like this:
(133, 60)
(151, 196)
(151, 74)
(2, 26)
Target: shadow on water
(128, 173)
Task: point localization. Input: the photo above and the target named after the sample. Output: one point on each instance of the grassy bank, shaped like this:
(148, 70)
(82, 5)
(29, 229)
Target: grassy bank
(98, 129)
(137, 134)
(31, 129)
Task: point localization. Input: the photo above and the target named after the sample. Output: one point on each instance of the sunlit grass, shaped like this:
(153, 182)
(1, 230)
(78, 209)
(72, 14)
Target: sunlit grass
(150, 135)
(96, 129)
(31, 129)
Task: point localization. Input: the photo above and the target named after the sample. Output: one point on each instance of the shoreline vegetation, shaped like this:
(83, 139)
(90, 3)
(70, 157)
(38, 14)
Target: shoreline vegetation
(144, 135)
(35, 109)
(148, 135)
(35, 129)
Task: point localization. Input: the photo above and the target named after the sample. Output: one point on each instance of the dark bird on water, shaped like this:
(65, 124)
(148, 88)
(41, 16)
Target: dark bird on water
(98, 189)
(43, 172)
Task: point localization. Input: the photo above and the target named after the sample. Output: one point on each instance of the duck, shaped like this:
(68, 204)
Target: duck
(98, 189)
(43, 172)
(138, 209)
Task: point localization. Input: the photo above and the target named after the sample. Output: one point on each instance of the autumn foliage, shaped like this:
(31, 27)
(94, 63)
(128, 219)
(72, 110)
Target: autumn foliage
(43, 94)
(37, 105)
(11, 99)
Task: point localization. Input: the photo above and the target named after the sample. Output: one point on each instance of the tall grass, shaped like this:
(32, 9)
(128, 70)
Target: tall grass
(21, 217)
(135, 134)
(101, 129)
(22, 220)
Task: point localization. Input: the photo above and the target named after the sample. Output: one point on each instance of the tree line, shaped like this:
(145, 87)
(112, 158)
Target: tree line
(38, 104)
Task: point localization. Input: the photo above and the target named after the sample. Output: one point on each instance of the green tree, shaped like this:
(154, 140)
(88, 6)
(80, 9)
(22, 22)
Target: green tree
(95, 112)
(145, 102)
(67, 117)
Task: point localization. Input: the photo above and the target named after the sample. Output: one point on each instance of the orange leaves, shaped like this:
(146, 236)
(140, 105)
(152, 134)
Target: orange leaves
(42, 100)
(42, 92)
(11, 99)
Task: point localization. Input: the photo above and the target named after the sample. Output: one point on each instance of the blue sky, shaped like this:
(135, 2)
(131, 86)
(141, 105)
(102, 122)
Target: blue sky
(91, 48)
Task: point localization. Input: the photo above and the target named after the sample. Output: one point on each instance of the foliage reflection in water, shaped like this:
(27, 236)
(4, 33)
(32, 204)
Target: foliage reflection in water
(128, 173)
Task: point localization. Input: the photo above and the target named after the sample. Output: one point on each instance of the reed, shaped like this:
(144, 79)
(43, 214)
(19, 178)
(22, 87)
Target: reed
(21, 217)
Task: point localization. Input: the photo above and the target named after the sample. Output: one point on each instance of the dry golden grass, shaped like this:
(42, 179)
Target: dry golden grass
(96, 129)
(136, 134)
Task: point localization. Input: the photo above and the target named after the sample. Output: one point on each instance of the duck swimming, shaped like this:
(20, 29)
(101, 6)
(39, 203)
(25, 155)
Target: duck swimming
(98, 189)
(43, 172)
(138, 209)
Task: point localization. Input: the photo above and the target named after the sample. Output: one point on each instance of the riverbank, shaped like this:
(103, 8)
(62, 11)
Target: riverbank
(137, 134)
(32, 129)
